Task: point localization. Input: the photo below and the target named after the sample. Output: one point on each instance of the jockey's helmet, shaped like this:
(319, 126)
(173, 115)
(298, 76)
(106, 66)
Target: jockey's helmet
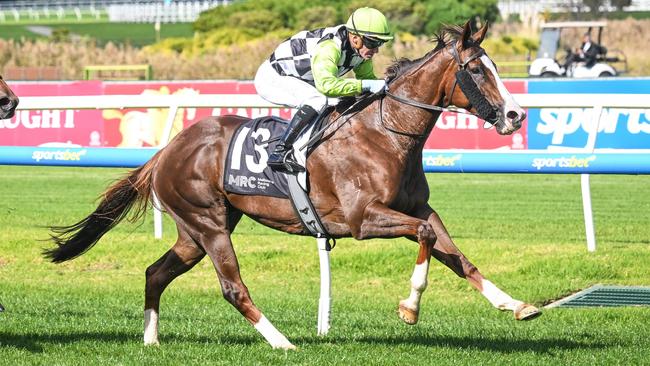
(369, 22)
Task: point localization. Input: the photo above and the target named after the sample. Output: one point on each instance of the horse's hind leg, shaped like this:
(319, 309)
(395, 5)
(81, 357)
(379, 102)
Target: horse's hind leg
(446, 252)
(235, 291)
(211, 228)
(178, 260)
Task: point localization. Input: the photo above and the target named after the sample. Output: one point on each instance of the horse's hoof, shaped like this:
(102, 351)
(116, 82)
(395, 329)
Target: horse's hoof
(285, 346)
(527, 312)
(408, 316)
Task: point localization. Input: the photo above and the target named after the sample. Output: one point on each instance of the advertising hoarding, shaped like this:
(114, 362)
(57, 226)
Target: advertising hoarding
(131, 128)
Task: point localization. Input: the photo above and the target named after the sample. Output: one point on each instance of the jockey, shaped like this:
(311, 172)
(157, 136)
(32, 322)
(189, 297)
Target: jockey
(307, 68)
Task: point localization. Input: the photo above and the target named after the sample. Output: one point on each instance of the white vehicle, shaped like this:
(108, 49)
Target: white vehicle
(547, 65)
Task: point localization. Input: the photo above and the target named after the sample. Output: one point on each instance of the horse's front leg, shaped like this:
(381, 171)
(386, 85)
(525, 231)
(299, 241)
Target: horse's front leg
(446, 252)
(409, 308)
(380, 221)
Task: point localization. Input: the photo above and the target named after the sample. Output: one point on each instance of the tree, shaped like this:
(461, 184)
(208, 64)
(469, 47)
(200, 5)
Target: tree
(439, 12)
(317, 17)
(416, 17)
(619, 4)
(594, 7)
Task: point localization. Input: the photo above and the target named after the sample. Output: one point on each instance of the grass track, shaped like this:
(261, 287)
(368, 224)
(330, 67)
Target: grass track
(136, 34)
(524, 232)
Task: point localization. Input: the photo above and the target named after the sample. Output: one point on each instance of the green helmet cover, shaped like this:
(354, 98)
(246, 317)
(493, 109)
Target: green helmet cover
(369, 22)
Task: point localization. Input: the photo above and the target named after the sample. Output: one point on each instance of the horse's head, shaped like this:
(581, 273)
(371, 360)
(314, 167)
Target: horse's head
(8, 100)
(471, 82)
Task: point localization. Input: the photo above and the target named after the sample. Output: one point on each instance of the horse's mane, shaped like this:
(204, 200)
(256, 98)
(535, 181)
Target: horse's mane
(447, 33)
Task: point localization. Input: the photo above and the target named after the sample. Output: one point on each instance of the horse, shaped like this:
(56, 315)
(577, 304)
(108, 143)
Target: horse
(8, 103)
(8, 100)
(366, 181)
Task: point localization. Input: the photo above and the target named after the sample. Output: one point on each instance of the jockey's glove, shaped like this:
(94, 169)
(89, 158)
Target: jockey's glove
(373, 86)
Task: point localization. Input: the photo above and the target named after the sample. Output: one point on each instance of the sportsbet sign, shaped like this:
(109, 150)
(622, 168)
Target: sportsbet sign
(619, 128)
(534, 162)
(570, 127)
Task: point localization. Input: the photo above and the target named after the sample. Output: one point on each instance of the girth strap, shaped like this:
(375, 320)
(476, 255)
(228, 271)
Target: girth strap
(306, 212)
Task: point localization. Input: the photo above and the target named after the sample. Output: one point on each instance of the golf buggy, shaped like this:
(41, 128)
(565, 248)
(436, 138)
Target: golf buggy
(547, 65)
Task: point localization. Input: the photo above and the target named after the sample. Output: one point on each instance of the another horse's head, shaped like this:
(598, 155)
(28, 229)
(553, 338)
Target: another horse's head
(8, 100)
(458, 72)
(481, 89)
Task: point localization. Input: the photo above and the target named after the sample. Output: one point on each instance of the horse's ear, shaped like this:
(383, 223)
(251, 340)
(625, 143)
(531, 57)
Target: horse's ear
(467, 33)
(479, 36)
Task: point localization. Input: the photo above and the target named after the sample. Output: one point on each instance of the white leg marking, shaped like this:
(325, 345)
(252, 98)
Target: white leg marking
(150, 327)
(272, 335)
(418, 285)
(498, 298)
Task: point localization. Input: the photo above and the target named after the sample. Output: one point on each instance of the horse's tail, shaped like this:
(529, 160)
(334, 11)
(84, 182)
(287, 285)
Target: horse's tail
(116, 202)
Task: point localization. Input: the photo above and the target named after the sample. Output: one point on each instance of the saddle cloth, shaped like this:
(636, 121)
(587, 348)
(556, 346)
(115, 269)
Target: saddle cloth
(247, 171)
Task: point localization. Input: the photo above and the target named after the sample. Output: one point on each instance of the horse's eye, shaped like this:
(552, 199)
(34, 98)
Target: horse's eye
(475, 70)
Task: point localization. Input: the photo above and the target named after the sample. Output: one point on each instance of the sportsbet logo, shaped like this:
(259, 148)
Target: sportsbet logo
(64, 155)
(441, 160)
(563, 162)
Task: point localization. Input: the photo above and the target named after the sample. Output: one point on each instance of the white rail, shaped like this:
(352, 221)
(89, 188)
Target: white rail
(143, 101)
(253, 100)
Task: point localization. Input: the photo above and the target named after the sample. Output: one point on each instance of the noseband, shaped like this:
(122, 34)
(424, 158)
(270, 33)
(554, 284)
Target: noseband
(464, 79)
(485, 110)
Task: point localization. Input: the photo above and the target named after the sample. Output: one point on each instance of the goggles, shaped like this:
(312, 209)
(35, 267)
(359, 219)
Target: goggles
(371, 43)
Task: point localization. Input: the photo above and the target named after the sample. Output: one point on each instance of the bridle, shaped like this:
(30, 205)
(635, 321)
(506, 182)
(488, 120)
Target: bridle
(464, 80)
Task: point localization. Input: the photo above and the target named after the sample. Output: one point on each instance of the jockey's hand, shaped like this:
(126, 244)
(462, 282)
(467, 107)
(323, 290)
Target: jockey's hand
(373, 86)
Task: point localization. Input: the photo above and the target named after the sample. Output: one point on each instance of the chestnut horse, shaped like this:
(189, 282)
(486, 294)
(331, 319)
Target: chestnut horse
(366, 179)
(8, 100)
(8, 104)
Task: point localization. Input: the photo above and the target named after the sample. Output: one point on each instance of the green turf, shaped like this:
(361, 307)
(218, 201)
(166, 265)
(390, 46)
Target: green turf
(136, 34)
(524, 232)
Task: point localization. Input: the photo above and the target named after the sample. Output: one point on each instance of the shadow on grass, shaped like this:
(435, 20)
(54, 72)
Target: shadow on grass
(36, 343)
(502, 345)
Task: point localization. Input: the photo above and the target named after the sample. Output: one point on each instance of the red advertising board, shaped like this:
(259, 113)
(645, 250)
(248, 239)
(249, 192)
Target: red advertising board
(463, 131)
(54, 127)
(144, 127)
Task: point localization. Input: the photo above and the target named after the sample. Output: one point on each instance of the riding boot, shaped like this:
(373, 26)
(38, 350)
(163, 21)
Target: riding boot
(281, 159)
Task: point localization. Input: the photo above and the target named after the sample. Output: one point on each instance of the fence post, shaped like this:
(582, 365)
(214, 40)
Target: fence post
(149, 72)
(157, 216)
(589, 218)
(325, 301)
(590, 230)
(164, 139)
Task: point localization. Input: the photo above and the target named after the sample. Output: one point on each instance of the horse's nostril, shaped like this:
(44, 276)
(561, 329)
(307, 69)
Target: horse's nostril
(512, 115)
(5, 101)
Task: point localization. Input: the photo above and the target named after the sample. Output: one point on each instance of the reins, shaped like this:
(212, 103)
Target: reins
(318, 134)
(462, 67)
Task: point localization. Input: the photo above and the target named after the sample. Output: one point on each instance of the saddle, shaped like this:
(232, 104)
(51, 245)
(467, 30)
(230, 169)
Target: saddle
(246, 171)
